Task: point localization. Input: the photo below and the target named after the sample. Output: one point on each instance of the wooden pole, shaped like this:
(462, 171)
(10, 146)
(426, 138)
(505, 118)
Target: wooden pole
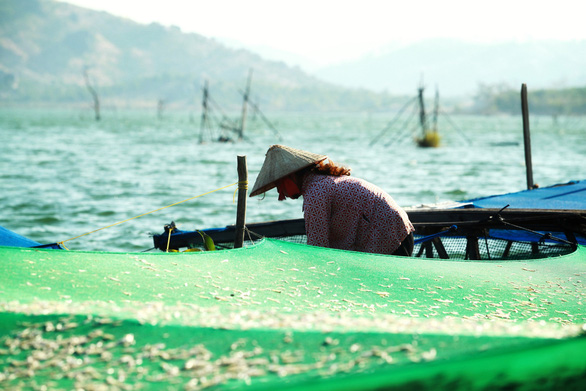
(94, 94)
(241, 208)
(526, 136)
(435, 109)
(422, 118)
(244, 107)
(204, 112)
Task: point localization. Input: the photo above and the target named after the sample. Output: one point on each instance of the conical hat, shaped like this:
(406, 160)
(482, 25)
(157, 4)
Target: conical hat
(281, 161)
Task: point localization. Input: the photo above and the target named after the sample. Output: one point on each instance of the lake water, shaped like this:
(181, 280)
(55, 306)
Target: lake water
(62, 174)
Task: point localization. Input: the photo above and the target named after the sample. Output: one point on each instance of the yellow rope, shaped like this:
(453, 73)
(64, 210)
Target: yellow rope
(169, 239)
(242, 185)
(144, 214)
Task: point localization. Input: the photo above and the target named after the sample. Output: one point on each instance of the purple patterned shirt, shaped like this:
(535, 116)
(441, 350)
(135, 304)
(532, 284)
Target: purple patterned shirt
(349, 213)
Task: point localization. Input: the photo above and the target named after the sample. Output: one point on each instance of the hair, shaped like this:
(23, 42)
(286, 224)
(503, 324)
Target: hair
(330, 168)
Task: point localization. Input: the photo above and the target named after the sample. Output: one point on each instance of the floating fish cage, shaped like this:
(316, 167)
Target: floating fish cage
(478, 235)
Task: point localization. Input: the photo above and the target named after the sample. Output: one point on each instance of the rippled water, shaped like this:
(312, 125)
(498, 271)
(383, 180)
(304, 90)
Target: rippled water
(64, 174)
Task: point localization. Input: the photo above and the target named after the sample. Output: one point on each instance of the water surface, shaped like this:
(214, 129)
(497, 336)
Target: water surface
(63, 174)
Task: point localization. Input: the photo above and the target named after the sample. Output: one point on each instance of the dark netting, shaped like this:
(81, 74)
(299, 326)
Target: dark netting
(489, 247)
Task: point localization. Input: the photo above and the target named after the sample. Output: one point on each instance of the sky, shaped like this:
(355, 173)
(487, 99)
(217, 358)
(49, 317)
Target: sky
(326, 32)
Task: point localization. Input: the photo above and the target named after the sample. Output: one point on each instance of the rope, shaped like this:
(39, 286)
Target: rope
(169, 239)
(392, 122)
(144, 214)
(242, 185)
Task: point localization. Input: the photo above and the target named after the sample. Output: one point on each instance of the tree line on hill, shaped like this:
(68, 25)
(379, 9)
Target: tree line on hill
(492, 99)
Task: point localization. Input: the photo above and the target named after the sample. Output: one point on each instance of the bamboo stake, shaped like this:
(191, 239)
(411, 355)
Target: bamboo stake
(94, 94)
(422, 118)
(241, 207)
(526, 136)
(204, 112)
(244, 107)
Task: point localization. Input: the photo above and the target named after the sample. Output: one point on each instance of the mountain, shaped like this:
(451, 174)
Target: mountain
(458, 68)
(46, 46)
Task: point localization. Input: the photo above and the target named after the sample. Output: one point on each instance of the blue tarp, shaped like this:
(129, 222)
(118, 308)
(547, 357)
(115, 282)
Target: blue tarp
(12, 239)
(9, 238)
(566, 196)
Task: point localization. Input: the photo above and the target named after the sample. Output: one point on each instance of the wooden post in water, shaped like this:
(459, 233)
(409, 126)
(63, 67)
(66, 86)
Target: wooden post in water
(204, 112)
(526, 136)
(94, 94)
(244, 107)
(435, 109)
(241, 207)
(422, 117)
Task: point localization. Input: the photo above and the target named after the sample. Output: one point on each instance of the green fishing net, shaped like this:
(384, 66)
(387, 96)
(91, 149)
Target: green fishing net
(280, 314)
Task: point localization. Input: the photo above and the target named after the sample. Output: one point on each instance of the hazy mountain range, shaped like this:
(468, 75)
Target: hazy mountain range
(45, 47)
(458, 68)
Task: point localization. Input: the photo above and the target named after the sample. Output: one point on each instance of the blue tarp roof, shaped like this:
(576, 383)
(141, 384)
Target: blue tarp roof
(566, 196)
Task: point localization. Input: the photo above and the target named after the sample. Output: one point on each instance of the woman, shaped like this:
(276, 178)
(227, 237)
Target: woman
(340, 211)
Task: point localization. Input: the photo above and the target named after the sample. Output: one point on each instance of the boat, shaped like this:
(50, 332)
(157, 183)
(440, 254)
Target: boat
(559, 208)
(491, 299)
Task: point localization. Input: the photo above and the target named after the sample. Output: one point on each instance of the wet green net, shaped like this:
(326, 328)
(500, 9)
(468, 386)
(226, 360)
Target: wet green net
(280, 314)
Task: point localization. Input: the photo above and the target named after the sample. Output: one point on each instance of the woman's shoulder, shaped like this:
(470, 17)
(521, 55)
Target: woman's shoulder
(322, 179)
(359, 185)
(318, 183)
(312, 177)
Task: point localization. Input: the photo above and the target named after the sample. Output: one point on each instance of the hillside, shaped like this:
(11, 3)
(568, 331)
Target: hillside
(45, 46)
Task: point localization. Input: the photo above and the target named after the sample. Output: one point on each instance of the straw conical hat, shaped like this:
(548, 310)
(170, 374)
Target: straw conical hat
(281, 161)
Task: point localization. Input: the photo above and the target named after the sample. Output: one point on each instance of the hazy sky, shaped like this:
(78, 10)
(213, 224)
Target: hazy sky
(329, 31)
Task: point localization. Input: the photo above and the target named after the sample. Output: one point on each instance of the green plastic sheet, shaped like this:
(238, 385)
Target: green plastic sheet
(292, 316)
